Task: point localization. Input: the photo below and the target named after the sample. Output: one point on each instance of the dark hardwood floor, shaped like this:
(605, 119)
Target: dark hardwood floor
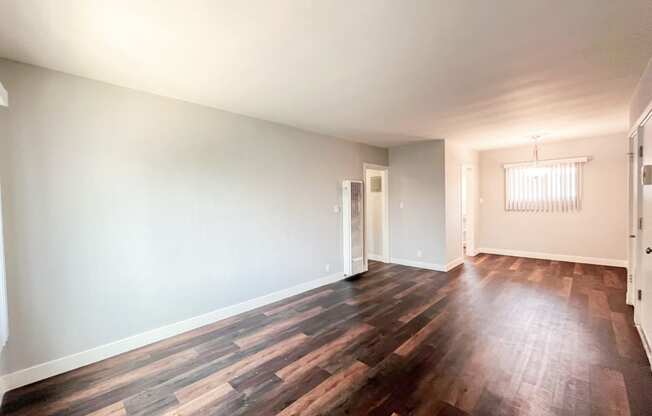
(496, 336)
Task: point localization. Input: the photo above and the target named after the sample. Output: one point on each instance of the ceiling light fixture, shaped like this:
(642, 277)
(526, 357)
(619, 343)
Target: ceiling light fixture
(535, 171)
(535, 152)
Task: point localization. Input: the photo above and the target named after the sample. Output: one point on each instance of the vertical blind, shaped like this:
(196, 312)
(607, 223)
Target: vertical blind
(548, 186)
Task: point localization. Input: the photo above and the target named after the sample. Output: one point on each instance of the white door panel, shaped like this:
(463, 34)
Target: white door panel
(644, 278)
(633, 249)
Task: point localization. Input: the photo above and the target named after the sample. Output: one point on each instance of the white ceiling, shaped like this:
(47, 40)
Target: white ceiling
(488, 73)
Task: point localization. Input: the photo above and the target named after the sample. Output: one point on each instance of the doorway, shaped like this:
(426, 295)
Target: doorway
(640, 250)
(643, 277)
(376, 212)
(467, 210)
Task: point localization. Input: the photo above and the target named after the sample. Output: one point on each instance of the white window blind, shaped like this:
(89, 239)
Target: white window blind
(547, 186)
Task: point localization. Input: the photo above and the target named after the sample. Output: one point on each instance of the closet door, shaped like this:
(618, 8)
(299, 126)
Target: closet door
(634, 240)
(644, 275)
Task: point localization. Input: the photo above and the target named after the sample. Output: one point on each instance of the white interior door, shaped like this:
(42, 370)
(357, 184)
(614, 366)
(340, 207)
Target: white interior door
(644, 276)
(634, 188)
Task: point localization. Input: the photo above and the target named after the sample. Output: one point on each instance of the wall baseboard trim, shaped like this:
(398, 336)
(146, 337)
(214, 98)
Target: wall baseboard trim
(61, 365)
(557, 257)
(426, 265)
(419, 264)
(376, 257)
(454, 263)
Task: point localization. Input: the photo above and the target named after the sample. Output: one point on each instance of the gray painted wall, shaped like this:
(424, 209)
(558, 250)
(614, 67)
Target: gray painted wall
(417, 178)
(125, 211)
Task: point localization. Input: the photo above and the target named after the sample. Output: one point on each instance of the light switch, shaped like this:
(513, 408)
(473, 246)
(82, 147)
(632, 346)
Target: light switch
(400, 205)
(336, 209)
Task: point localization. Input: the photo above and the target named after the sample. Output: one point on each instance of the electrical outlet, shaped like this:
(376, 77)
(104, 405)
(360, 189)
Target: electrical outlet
(419, 253)
(328, 267)
(336, 209)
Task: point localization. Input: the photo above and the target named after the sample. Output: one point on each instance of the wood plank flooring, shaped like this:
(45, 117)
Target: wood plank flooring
(496, 336)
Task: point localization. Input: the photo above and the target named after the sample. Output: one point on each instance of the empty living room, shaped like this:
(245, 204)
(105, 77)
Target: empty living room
(325, 207)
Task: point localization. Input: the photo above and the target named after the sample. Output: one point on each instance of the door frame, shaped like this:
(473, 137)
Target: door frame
(637, 129)
(642, 279)
(636, 257)
(386, 246)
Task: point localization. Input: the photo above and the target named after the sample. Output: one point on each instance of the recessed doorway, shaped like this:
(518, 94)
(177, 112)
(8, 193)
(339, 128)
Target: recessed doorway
(467, 206)
(377, 212)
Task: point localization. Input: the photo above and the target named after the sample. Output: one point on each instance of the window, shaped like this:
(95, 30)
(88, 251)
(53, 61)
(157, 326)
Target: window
(553, 185)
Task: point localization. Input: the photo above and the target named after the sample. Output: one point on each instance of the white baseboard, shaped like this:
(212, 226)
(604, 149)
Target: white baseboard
(80, 359)
(454, 263)
(629, 295)
(430, 266)
(375, 257)
(419, 264)
(556, 257)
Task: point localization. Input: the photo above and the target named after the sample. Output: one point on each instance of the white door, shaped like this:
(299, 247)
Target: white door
(634, 188)
(644, 277)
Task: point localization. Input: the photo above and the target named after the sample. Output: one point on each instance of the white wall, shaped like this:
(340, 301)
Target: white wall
(598, 231)
(375, 214)
(125, 211)
(417, 179)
